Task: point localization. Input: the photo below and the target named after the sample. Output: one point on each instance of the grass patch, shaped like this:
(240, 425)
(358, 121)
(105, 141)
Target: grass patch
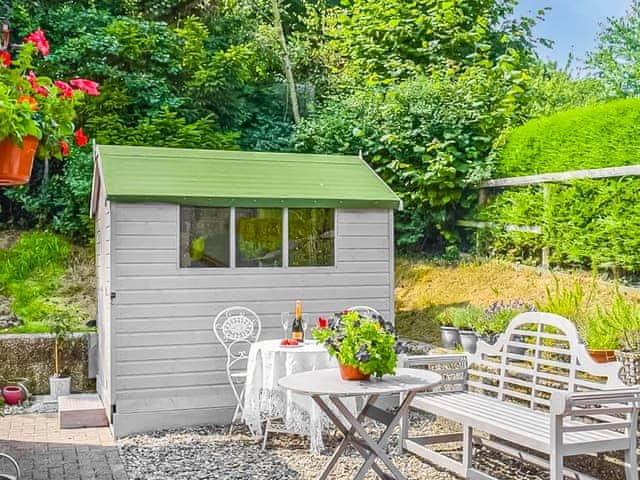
(37, 276)
(426, 288)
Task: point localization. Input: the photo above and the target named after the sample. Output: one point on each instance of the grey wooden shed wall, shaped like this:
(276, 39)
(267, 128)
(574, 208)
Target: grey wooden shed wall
(165, 366)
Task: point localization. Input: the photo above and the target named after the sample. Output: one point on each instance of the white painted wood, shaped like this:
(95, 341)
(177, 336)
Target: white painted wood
(164, 357)
(536, 229)
(513, 396)
(328, 382)
(81, 411)
(609, 172)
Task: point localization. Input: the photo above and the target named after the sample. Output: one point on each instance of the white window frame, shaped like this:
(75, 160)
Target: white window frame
(232, 246)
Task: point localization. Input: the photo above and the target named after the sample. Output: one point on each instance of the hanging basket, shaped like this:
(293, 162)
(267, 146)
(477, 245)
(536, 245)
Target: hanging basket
(16, 161)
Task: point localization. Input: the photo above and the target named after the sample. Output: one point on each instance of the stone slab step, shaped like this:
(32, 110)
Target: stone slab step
(81, 411)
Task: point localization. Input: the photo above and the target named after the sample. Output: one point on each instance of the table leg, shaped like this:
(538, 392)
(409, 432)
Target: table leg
(376, 448)
(349, 437)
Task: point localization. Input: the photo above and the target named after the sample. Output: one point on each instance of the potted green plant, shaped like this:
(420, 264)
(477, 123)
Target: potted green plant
(364, 346)
(624, 318)
(449, 334)
(599, 336)
(59, 383)
(37, 112)
(462, 319)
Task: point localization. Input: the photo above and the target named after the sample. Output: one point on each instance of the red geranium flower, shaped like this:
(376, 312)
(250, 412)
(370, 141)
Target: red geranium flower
(39, 89)
(81, 138)
(39, 40)
(87, 86)
(5, 58)
(65, 89)
(64, 148)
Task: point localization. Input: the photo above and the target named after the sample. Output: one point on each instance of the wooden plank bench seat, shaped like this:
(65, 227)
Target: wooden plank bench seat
(536, 392)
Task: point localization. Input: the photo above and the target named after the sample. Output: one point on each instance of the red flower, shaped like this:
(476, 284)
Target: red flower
(39, 40)
(87, 86)
(5, 58)
(33, 80)
(65, 89)
(81, 138)
(64, 148)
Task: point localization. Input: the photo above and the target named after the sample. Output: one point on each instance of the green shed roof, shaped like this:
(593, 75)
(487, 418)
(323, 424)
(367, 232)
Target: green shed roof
(237, 178)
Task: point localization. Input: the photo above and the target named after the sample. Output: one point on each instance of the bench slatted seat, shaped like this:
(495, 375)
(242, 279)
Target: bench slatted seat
(536, 388)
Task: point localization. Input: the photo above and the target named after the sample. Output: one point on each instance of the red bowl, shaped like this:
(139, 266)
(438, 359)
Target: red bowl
(12, 395)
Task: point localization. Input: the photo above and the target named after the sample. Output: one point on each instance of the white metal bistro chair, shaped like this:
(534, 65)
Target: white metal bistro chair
(14, 464)
(365, 311)
(236, 328)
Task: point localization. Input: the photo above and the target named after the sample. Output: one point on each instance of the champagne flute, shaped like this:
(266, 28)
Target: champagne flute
(285, 320)
(306, 327)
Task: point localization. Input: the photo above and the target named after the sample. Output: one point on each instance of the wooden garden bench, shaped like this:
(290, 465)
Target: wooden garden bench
(536, 391)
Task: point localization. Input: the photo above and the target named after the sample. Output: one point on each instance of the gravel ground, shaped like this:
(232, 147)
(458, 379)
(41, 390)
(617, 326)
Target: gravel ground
(208, 453)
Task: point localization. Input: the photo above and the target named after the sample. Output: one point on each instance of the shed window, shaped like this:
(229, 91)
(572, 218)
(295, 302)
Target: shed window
(204, 237)
(258, 237)
(311, 237)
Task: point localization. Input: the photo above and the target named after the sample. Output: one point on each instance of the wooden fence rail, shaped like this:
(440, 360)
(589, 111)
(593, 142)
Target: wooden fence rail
(543, 179)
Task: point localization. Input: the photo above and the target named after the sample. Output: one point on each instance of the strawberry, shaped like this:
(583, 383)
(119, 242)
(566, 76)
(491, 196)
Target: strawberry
(284, 342)
(293, 342)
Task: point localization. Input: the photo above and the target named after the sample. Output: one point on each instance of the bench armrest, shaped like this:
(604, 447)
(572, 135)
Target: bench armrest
(583, 403)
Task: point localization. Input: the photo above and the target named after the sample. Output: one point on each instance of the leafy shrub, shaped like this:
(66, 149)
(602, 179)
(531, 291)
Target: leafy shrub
(602, 135)
(587, 223)
(423, 140)
(62, 204)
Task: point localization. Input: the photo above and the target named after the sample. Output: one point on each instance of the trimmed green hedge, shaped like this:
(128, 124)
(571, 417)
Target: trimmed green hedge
(596, 136)
(587, 223)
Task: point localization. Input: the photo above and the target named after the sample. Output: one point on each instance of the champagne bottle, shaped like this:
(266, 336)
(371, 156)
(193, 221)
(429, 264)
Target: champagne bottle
(297, 332)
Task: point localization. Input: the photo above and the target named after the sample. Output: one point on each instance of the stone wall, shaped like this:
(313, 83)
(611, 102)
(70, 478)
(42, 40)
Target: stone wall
(31, 356)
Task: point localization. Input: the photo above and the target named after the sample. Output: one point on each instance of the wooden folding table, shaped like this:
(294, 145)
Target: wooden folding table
(321, 385)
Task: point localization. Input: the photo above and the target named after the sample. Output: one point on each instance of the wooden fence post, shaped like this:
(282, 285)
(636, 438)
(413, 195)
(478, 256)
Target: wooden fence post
(546, 192)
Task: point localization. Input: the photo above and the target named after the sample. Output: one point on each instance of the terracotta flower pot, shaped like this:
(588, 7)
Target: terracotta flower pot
(347, 372)
(602, 356)
(16, 161)
(12, 395)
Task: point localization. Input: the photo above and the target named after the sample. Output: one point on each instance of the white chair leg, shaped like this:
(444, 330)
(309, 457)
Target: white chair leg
(233, 419)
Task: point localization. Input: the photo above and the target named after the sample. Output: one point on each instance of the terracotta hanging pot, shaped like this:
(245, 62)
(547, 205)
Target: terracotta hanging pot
(16, 161)
(347, 372)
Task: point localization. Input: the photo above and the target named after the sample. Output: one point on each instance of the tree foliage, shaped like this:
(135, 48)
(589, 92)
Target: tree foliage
(616, 59)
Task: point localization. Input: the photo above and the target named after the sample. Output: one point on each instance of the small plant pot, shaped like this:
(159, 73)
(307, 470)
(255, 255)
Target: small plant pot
(16, 161)
(630, 372)
(12, 395)
(347, 372)
(59, 386)
(449, 337)
(602, 356)
(515, 349)
(469, 341)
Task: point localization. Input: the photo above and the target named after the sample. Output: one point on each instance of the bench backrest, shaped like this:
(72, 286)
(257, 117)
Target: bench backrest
(538, 354)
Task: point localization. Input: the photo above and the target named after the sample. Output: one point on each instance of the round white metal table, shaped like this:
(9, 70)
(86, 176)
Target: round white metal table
(327, 383)
(269, 362)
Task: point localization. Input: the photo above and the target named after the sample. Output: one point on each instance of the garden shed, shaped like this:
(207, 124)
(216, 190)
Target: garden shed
(182, 234)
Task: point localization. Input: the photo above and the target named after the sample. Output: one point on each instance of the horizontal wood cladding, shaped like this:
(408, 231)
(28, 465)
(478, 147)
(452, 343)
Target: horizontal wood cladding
(150, 270)
(232, 294)
(175, 398)
(124, 312)
(165, 357)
